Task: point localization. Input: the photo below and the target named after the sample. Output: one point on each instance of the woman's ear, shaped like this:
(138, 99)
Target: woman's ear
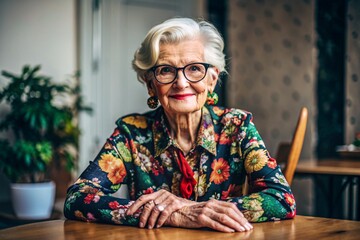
(150, 88)
(214, 76)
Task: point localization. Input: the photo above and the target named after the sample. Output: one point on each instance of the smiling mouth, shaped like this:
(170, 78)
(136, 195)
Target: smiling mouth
(181, 96)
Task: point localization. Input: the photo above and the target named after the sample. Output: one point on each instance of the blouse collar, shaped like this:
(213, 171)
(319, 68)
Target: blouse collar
(205, 137)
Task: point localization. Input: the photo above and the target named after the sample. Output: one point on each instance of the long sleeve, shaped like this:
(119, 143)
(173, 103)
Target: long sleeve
(89, 198)
(270, 196)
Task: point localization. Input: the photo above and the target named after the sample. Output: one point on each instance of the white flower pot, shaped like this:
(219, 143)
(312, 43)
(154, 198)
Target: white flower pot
(33, 200)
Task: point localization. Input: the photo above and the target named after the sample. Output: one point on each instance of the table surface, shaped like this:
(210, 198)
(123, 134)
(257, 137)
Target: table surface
(348, 167)
(299, 228)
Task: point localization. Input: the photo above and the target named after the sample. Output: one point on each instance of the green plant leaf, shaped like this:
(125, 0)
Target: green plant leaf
(9, 75)
(42, 130)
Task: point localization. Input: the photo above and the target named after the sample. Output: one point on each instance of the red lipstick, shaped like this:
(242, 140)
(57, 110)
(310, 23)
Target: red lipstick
(181, 96)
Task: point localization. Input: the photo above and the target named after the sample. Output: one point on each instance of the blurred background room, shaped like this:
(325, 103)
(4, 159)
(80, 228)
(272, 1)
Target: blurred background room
(281, 54)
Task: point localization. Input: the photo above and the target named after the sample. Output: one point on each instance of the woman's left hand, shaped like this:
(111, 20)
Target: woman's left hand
(157, 207)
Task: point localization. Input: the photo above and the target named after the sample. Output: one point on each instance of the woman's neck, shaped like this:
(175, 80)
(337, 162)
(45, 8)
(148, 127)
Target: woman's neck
(183, 128)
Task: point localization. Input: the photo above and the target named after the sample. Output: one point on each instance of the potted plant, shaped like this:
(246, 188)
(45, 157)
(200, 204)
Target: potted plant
(42, 129)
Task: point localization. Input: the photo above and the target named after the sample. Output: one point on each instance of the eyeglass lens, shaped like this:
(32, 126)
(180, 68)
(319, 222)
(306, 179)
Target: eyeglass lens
(192, 72)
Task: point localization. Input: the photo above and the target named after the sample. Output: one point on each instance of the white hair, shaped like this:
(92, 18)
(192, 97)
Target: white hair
(174, 31)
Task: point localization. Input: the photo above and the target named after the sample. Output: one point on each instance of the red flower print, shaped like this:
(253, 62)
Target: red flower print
(220, 171)
(224, 138)
(260, 184)
(132, 145)
(115, 133)
(114, 205)
(216, 137)
(289, 198)
(291, 214)
(156, 168)
(148, 191)
(89, 198)
(271, 163)
(236, 121)
(225, 194)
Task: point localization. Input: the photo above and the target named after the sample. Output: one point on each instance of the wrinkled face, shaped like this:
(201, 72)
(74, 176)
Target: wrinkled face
(182, 96)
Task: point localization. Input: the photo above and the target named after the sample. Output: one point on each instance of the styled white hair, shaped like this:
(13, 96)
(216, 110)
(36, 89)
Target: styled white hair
(174, 31)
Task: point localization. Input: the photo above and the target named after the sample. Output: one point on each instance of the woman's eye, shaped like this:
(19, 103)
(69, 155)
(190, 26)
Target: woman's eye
(165, 70)
(194, 68)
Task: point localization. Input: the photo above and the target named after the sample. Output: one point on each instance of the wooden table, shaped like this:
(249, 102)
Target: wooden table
(347, 169)
(299, 228)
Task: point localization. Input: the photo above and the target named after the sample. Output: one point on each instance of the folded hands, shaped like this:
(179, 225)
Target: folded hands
(164, 208)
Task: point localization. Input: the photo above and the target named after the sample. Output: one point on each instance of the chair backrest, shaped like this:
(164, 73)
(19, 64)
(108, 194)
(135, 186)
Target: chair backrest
(288, 154)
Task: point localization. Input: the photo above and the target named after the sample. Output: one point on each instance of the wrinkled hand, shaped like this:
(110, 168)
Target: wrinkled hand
(218, 215)
(157, 207)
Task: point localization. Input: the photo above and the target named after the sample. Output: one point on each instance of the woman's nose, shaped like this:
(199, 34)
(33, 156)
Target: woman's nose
(181, 80)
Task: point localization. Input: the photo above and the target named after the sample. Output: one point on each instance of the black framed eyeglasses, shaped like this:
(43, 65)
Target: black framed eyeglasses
(193, 72)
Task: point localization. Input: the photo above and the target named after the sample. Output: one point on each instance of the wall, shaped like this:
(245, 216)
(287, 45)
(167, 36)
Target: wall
(37, 32)
(272, 57)
(352, 113)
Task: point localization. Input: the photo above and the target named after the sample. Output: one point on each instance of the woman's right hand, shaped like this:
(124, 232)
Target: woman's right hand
(218, 215)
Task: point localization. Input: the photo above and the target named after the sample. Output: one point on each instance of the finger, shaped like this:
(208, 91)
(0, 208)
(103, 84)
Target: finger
(228, 221)
(232, 211)
(148, 207)
(172, 204)
(163, 217)
(231, 206)
(156, 211)
(147, 198)
(162, 196)
(221, 209)
(236, 209)
(219, 215)
(140, 202)
(151, 216)
(216, 225)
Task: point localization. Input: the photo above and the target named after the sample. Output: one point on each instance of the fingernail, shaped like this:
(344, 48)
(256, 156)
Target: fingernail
(150, 226)
(141, 225)
(247, 226)
(242, 229)
(157, 226)
(250, 226)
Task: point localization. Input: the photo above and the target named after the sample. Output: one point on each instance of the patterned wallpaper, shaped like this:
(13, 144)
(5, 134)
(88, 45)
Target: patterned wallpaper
(272, 66)
(352, 113)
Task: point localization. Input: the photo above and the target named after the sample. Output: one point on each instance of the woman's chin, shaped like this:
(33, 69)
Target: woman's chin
(184, 108)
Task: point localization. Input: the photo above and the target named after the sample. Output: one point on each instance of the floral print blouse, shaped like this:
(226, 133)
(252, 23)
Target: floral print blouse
(142, 154)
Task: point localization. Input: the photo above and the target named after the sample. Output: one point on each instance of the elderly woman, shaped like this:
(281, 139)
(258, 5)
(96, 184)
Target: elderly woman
(185, 163)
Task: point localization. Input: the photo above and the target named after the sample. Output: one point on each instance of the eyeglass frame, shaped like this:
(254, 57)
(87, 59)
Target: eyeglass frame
(206, 65)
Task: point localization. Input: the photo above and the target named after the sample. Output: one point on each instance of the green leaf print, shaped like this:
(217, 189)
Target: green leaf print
(253, 133)
(273, 207)
(106, 214)
(115, 187)
(71, 199)
(124, 152)
(130, 220)
(144, 180)
(235, 167)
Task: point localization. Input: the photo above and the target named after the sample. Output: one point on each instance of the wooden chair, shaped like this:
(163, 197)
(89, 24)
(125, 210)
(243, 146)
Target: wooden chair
(288, 154)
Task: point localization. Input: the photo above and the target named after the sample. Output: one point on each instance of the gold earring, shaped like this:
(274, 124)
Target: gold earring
(152, 102)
